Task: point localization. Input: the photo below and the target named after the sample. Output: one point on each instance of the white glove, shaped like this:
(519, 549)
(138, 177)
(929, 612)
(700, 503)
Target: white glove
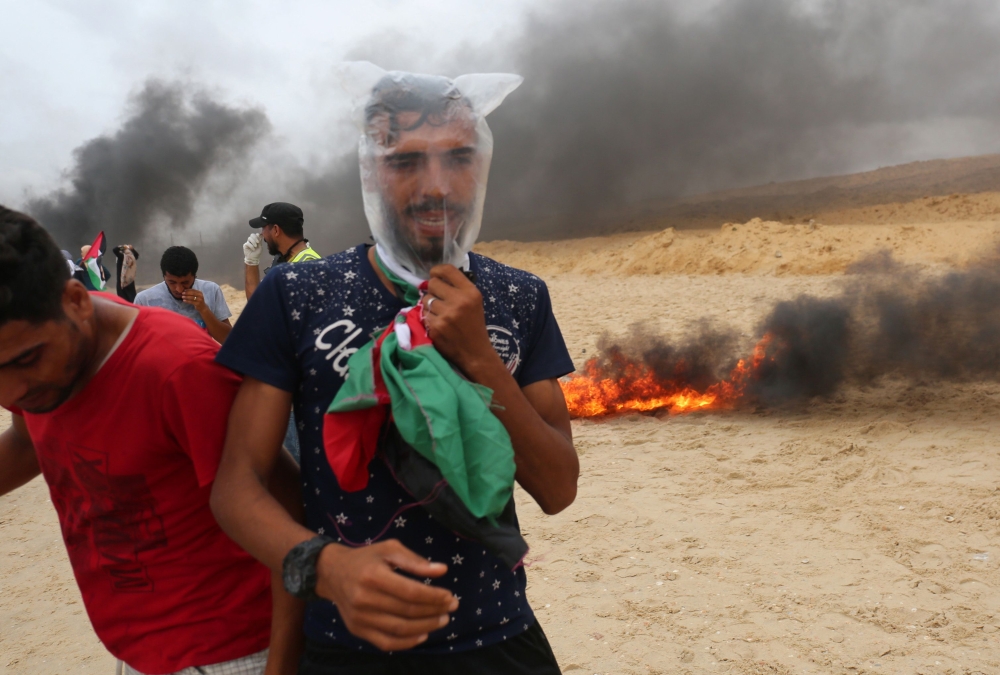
(253, 249)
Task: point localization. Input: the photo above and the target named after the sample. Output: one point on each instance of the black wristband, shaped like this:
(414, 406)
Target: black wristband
(298, 570)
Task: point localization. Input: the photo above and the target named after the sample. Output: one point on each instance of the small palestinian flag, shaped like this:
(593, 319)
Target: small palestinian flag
(90, 264)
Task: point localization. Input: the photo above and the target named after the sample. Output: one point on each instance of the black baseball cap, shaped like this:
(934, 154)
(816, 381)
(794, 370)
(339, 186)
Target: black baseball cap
(280, 214)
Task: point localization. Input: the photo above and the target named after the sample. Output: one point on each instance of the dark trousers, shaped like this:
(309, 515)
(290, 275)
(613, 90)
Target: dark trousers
(526, 654)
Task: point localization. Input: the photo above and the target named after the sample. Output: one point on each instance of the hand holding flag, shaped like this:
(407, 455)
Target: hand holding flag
(89, 261)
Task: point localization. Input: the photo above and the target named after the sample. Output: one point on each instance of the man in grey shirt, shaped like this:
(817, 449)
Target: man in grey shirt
(182, 292)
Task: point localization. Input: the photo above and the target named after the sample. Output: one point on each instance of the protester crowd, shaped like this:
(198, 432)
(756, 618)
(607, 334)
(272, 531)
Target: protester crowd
(325, 487)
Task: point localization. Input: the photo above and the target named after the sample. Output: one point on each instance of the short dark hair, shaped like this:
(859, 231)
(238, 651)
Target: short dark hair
(179, 261)
(433, 96)
(33, 271)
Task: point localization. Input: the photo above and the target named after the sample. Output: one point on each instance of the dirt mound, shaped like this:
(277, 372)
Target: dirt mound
(755, 247)
(984, 206)
(854, 194)
(235, 298)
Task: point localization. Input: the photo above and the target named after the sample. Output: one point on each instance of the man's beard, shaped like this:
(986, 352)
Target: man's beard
(429, 251)
(273, 249)
(76, 367)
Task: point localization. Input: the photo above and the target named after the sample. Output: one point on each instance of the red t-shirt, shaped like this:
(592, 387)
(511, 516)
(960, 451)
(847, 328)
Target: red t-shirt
(130, 462)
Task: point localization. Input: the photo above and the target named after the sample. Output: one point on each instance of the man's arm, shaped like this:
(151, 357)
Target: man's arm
(377, 604)
(251, 279)
(18, 461)
(252, 251)
(288, 616)
(535, 417)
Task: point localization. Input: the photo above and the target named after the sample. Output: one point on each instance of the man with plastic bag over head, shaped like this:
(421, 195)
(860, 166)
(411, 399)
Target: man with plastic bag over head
(410, 557)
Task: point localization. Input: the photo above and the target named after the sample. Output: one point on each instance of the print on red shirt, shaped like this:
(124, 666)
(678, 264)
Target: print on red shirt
(121, 512)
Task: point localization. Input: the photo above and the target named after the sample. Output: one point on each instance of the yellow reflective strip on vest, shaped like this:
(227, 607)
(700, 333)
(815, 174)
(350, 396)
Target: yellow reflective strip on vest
(305, 254)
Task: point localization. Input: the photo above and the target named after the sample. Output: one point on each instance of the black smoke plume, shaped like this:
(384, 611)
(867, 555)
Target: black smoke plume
(889, 321)
(629, 103)
(150, 170)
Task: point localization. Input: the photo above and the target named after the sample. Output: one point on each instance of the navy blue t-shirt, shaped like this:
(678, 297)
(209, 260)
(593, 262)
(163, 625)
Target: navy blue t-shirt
(297, 332)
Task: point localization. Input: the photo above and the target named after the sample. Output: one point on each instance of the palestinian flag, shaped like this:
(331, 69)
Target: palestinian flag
(90, 264)
(443, 416)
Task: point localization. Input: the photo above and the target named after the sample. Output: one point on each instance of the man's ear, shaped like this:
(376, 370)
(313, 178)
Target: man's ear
(76, 301)
(276, 232)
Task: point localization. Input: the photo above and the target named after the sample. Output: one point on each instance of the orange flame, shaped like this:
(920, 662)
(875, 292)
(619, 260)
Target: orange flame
(638, 389)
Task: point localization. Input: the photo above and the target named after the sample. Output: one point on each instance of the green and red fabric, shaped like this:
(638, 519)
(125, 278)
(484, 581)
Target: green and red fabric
(90, 263)
(446, 418)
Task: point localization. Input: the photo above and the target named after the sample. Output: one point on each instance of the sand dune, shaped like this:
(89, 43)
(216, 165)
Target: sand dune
(754, 247)
(816, 198)
(855, 535)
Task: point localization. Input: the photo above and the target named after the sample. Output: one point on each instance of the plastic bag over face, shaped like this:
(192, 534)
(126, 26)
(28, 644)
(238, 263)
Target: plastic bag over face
(425, 152)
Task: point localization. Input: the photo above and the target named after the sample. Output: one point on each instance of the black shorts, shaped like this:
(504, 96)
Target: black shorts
(528, 653)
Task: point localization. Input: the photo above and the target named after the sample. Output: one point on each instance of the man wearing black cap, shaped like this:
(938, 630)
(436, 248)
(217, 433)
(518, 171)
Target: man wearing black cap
(280, 226)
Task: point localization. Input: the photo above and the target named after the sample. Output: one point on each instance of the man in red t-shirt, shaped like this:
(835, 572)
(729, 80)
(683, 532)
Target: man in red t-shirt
(124, 412)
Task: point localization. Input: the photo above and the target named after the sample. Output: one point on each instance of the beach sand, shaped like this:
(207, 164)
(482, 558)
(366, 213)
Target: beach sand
(855, 535)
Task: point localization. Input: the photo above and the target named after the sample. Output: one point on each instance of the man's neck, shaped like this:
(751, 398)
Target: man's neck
(295, 249)
(381, 275)
(111, 320)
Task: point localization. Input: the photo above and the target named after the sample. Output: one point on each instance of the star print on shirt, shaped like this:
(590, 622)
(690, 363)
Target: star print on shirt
(350, 274)
(341, 519)
(429, 540)
(496, 584)
(291, 275)
(456, 559)
(296, 315)
(400, 522)
(369, 499)
(513, 288)
(348, 310)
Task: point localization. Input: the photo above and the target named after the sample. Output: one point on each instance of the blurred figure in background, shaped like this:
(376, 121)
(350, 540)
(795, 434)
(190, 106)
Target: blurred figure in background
(69, 262)
(281, 228)
(125, 271)
(182, 292)
(80, 273)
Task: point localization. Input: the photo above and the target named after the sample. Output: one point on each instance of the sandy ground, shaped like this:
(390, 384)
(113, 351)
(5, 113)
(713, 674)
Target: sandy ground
(856, 535)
